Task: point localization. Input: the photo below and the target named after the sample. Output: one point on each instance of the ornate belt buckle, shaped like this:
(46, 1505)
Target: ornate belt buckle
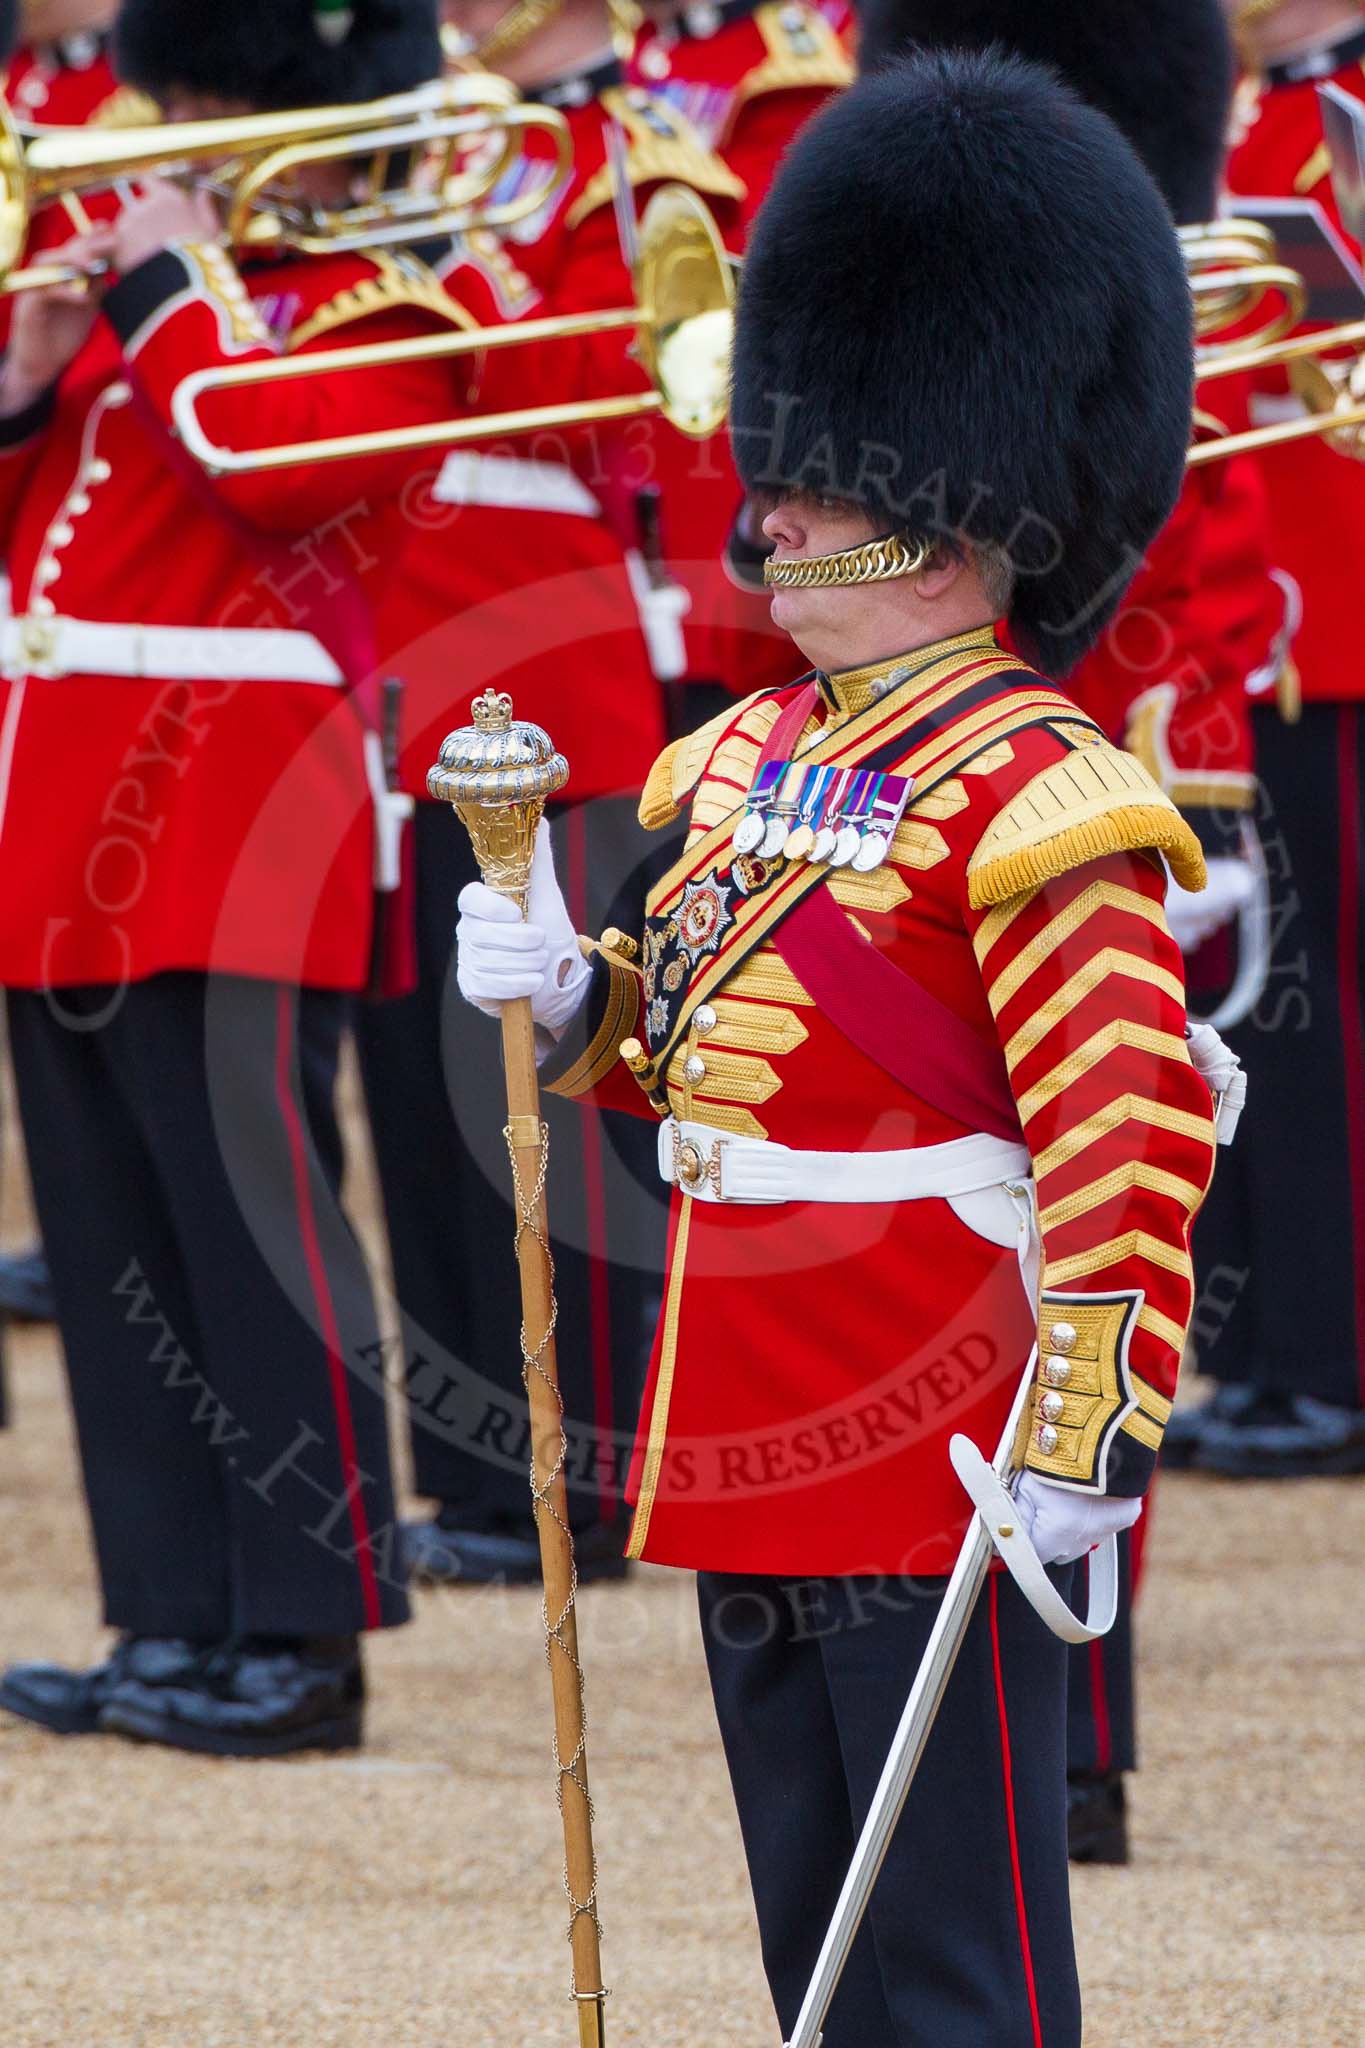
(694, 1169)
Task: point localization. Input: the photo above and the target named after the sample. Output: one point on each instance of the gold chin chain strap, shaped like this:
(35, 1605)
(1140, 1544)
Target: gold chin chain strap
(523, 19)
(876, 561)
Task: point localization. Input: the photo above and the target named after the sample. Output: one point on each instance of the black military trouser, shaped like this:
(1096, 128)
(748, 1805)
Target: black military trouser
(1280, 1242)
(1101, 1730)
(433, 1081)
(967, 1942)
(214, 1306)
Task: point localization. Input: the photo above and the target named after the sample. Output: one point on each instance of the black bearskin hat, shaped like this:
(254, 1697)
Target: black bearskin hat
(1163, 70)
(964, 307)
(9, 28)
(279, 53)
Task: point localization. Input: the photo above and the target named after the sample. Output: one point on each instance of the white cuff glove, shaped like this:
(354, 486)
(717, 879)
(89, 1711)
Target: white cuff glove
(1062, 1525)
(499, 958)
(1196, 914)
(1222, 1074)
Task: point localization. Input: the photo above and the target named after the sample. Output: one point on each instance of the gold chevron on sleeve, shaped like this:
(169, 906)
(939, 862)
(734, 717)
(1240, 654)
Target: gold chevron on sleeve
(1150, 1401)
(1143, 1429)
(1133, 1244)
(1163, 1045)
(1100, 895)
(1134, 1173)
(1165, 1327)
(1109, 960)
(1142, 1109)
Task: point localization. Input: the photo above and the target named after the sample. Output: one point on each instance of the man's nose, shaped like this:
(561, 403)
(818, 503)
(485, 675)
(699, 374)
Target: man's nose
(782, 526)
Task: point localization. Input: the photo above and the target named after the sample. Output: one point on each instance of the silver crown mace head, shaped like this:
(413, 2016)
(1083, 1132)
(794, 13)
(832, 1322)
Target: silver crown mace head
(497, 760)
(498, 773)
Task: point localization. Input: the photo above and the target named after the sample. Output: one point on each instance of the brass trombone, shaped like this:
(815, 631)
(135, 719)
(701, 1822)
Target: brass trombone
(682, 318)
(249, 157)
(1233, 269)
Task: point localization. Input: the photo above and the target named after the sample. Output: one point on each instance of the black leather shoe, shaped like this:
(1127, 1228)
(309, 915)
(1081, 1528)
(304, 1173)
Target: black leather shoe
(257, 1698)
(1096, 1818)
(70, 1702)
(25, 1288)
(1284, 1436)
(1185, 1431)
(439, 1554)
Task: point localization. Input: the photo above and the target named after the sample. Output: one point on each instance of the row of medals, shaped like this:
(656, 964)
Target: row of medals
(844, 842)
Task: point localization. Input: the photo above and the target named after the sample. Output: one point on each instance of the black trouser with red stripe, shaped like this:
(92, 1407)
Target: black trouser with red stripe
(1280, 1242)
(967, 1942)
(433, 1081)
(1101, 1734)
(215, 1309)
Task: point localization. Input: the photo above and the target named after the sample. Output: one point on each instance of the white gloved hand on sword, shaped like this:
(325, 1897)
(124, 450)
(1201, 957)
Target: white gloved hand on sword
(500, 957)
(1062, 1525)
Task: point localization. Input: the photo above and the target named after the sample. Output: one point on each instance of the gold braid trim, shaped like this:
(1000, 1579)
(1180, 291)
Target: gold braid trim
(618, 1021)
(660, 144)
(397, 281)
(1097, 801)
(804, 55)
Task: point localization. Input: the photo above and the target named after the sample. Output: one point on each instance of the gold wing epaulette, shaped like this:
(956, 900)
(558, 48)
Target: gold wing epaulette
(804, 55)
(397, 279)
(681, 766)
(1097, 800)
(126, 107)
(660, 144)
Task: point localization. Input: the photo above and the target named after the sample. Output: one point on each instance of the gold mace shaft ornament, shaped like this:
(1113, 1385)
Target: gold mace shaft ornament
(498, 773)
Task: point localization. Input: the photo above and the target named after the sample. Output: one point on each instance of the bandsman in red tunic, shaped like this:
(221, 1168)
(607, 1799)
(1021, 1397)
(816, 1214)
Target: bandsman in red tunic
(910, 1012)
(1290, 1361)
(59, 75)
(192, 829)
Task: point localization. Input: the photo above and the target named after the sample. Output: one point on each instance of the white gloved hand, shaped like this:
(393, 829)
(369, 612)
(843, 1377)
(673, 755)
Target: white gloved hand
(1196, 914)
(1062, 1525)
(1222, 1074)
(498, 957)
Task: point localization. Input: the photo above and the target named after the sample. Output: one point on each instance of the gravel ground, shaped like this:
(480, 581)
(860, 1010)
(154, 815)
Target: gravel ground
(410, 1897)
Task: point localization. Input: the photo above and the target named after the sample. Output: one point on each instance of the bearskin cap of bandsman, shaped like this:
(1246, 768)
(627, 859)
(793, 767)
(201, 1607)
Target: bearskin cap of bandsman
(279, 53)
(1163, 70)
(964, 307)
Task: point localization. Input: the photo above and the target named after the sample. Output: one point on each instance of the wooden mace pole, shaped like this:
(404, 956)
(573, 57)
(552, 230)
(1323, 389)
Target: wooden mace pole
(498, 774)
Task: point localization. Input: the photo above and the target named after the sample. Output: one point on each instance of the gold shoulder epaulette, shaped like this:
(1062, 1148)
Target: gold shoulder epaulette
(398, 279)
(126, 107)
(1096, 801)
(681, 766)
(660, 144)
(804, 54)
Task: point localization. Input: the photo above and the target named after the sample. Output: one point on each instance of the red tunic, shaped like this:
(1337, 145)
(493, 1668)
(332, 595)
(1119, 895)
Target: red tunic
(219, 823)
(814, 1358)
(1317, 497)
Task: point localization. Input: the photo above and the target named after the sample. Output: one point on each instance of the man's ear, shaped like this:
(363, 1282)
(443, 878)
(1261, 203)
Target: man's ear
(939, 573)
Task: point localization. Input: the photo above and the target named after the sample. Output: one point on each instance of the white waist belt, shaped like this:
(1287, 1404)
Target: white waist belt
(513, 483)
(31, 645)
(712, 1166)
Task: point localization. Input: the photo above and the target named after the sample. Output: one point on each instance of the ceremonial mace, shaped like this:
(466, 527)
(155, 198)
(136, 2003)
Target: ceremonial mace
(498, 773)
